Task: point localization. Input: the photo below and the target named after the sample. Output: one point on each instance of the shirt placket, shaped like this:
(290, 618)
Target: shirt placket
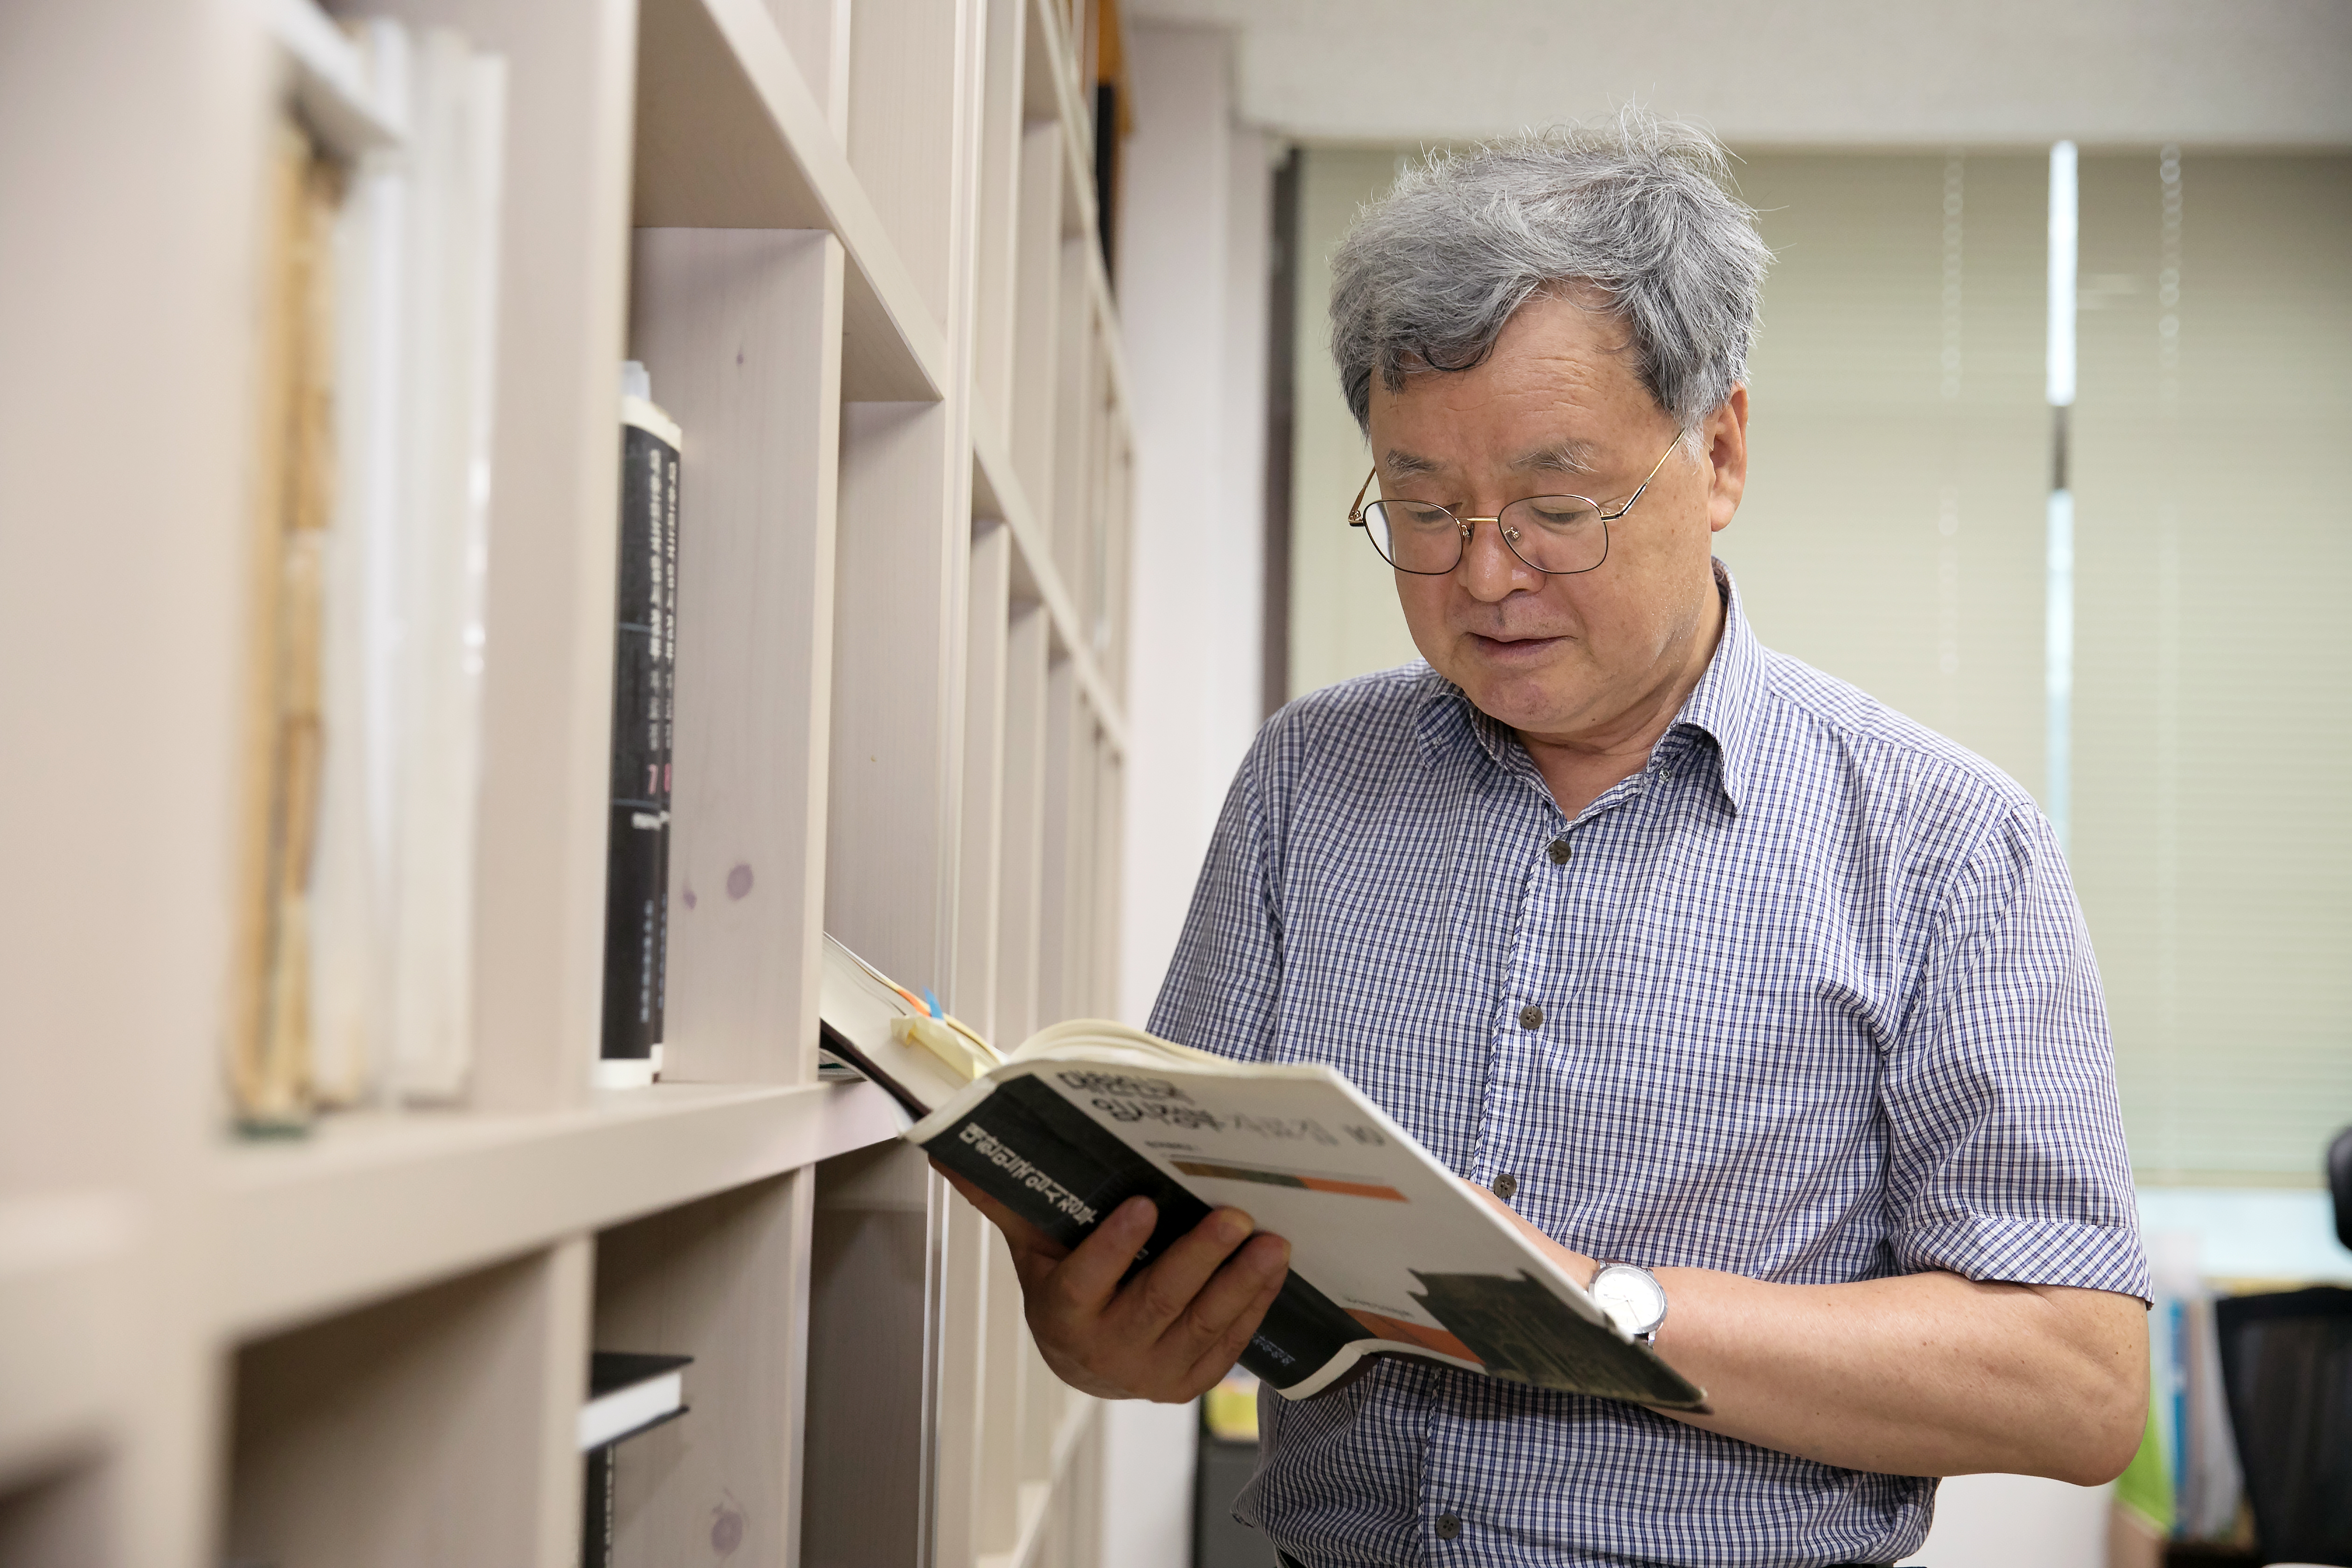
(1551, 952)
(1573, 881)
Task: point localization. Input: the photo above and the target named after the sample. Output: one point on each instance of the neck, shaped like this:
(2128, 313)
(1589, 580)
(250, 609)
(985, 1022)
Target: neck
(1578, 768)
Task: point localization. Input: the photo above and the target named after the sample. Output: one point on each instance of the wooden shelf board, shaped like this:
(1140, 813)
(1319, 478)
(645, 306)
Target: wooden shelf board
(372, 1204)
(1113, 352)
(1037, 1495)
(329, 82)
(1079, 210)
(996, 492)
(728, 136)
(66, 1307)
(1077, 115)
(1047, 69)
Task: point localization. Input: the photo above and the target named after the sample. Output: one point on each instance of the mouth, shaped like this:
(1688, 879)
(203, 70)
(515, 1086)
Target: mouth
(1513, 649)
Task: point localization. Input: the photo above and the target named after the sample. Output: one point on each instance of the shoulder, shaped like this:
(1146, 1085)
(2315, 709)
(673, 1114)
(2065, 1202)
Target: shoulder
(1359, 719)
(1831, 739)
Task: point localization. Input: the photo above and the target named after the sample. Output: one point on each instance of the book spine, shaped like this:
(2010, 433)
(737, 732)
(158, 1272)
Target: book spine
(596, 1511)
(637, 926)
(269, 1031)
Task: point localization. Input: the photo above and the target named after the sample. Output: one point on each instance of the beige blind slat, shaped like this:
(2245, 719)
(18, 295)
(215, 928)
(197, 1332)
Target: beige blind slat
(1891, 533)
(2212, 841)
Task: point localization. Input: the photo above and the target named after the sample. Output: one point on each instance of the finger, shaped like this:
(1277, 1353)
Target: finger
(1232, 1292)
(1209, 1370)
(1083, 1284)
(1019, 1234)
(1161, 1294)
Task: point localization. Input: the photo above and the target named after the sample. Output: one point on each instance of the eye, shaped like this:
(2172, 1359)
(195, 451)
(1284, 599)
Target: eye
(1411, 514)
(1557, 511)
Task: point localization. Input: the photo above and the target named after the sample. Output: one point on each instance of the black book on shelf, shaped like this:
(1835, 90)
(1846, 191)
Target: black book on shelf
(627, 1394)
(644, 662)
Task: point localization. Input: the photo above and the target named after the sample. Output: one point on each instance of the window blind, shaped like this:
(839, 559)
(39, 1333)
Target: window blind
(1899, 442)
(2212, 845)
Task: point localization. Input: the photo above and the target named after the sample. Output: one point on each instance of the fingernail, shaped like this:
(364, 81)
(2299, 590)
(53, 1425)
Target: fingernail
(1134, 1214)
(1232, 1226)
(1274, 1260)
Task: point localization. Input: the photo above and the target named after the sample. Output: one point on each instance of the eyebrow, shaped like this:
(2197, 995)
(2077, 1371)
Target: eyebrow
(1403, 465)
(1562, 456)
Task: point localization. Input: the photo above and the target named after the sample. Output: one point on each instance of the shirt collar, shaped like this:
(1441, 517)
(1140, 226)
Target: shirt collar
(1727, 703)
(1725, 706)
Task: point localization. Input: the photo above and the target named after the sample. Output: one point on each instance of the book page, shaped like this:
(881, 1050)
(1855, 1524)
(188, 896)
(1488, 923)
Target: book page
(1403, 1254)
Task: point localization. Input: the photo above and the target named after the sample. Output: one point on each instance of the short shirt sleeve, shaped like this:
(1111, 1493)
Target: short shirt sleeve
(2006, 1157)
(1221, 991)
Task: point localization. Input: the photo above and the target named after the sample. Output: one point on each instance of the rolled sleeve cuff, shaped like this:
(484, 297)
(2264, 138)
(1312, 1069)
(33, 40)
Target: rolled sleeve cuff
(2029, 1252)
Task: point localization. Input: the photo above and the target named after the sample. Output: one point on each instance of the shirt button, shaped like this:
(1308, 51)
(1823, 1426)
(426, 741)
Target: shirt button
(1504, 1186)
(1448, 1527)
(1558, 851)
(1530, 1016)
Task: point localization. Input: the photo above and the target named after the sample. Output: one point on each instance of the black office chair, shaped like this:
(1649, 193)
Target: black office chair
(2286, 1363)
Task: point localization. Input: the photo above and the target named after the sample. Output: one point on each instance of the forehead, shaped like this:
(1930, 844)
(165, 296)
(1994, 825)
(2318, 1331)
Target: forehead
(1560, 370)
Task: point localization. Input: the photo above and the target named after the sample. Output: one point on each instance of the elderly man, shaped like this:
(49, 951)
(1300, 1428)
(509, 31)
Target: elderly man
(1700, 960)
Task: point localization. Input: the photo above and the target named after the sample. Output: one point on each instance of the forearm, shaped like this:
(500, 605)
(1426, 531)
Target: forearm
(1927, 1375)
(1923, 1374)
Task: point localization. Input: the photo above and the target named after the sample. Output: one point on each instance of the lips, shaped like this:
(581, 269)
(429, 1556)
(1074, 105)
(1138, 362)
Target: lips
(1513, 651)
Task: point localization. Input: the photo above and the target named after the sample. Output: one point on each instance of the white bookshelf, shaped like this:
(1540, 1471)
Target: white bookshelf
(855, 243)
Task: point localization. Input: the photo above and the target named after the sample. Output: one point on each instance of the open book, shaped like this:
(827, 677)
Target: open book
(1391, 1253)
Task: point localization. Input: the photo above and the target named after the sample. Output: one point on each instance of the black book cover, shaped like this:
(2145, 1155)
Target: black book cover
(596, 1511)
(1047, 1161)
(842, 1046)
(644, 661)
(609, 1372)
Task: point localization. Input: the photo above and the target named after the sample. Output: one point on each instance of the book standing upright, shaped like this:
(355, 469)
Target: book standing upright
(644, 676)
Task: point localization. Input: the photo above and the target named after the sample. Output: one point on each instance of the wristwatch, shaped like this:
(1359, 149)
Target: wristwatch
(1633, 1300)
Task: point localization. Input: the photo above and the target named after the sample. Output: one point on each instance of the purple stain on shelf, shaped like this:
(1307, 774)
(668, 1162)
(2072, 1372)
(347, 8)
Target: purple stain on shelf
(688, 895)
(726, 1529)
(738, 881)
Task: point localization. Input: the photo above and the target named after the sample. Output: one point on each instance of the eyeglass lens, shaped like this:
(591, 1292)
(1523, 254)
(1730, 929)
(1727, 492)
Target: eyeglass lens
(1550, 533)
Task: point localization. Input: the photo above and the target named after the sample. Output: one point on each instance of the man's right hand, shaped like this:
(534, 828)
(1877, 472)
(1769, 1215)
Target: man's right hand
(1169, 1333)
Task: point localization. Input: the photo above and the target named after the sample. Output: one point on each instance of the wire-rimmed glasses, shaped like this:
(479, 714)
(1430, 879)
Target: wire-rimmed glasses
(1557, 535)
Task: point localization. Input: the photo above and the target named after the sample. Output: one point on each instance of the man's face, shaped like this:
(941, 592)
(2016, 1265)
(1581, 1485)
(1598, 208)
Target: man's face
(1557, 409)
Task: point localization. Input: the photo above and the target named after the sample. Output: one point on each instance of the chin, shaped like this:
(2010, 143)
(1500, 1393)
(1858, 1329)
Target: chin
(1522, 699)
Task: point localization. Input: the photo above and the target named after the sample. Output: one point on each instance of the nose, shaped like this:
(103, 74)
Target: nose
(1489, 570)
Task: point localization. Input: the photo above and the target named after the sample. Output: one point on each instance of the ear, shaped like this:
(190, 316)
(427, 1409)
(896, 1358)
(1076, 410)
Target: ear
(1725, 433)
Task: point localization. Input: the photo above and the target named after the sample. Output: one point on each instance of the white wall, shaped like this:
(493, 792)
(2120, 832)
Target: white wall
(1192, 257)
(2016, 1522)
(1192, 298)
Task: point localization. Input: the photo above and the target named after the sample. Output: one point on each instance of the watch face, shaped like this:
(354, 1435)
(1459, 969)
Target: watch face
(1631, 1297)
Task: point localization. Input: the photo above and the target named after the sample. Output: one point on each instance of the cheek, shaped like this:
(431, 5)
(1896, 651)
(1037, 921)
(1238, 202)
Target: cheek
(1608, 608)
(1424, 599)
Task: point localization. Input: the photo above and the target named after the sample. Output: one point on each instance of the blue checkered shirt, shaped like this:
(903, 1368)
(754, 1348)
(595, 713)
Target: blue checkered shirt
(1816, 1004)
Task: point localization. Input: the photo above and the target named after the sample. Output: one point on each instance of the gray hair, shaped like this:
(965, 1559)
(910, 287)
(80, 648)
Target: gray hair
(1639, 210)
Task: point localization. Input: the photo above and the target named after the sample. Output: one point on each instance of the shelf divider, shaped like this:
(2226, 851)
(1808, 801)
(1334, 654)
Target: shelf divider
(740, 330)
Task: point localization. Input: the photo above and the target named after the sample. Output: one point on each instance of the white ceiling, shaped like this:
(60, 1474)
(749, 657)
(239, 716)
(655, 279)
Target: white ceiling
(1802, 73)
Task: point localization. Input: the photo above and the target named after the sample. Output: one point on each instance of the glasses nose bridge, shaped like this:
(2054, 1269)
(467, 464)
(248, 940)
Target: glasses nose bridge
(1469, 530)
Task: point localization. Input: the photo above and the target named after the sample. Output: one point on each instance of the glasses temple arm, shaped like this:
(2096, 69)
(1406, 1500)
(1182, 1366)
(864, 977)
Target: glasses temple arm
(1613, 516)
